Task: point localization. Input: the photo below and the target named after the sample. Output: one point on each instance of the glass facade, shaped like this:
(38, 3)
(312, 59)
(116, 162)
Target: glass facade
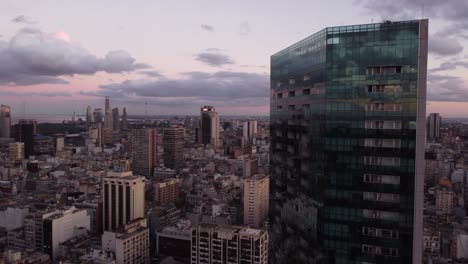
(347, 105)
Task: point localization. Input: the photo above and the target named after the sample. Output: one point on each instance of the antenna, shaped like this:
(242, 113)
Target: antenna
(146, 109)
(422, 11)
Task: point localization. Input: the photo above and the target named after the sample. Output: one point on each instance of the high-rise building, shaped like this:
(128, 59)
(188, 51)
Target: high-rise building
(433, 126)
(5, 121)
(173, 142)
(25, 133)
(144, 151)
(129, 243)
(123, 199)
(166, 191)
(97, 115)
(229, 245)
(256, 200)
(115, 119)
(250, 167)
(89, 116)
(124, 123)
(16, 151)
(347, 145)
(108, 115)
(249, 130)
(29, 121)
(209, 126)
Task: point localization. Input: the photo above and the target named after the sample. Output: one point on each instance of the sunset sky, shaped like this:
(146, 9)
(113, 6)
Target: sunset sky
(56, 57)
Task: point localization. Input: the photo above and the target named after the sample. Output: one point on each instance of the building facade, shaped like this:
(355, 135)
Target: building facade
(347, 145)
(434, 121)
(123, 199)
(249, 130)
(166, 191)
(209, 127)
(229, 245)
(16, 151)
(144, 151)
(173, 142)
(129, 243)
(5, 121)
(25, 133)
(256, 200)
(115, 119)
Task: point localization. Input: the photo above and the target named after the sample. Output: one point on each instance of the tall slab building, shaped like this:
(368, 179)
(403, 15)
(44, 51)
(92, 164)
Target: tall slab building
(5, 121)
(209, 126)
(347, 145)
(144, 151)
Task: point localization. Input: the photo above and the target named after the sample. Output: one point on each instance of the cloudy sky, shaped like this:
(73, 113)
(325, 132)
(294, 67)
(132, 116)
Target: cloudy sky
(56, 57)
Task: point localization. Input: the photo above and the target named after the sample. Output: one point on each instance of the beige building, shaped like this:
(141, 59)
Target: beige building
(256, 200)
(444, 199)
(16, 151)
(229, 244)
(144, 151)
(166, 191)
(123, 199)
(129, 243)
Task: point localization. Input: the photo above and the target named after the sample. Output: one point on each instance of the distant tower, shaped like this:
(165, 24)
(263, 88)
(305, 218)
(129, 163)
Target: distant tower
(115, 119)
(250, 130)
(5, 121)
(433, 126)
(144, 151)
(24, 132)
(173, 142)
(124, 123)
(108, 115)
(89, 116)
(209, 126)
(97, 115)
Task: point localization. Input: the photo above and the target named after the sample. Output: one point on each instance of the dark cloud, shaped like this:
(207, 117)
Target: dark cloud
(452, 13)
(193, 89)
(222, 84)
(24, 19)
(213, 57)
(155, 74)
(446, 88)
(46, 93)
(450, 65)
(207, 27)
(244, 28)
(444, 45)
(35, 57)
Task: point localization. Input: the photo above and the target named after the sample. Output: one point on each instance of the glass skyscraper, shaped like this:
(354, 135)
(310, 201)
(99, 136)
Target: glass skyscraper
(347, 145)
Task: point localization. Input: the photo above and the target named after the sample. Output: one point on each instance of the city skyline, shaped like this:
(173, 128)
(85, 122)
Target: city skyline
(209, 57)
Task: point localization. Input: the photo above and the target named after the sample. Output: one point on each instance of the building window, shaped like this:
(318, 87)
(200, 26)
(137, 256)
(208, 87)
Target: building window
(305, 91)
(291, 94)
(279, 95)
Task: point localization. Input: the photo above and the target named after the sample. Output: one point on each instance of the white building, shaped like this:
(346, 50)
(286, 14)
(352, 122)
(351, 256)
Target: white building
(229, 244)
(123, 199)
(62, 226)
(129, 243)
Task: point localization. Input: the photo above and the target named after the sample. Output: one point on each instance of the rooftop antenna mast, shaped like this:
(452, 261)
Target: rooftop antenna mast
(146, 110)
(422, 11)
